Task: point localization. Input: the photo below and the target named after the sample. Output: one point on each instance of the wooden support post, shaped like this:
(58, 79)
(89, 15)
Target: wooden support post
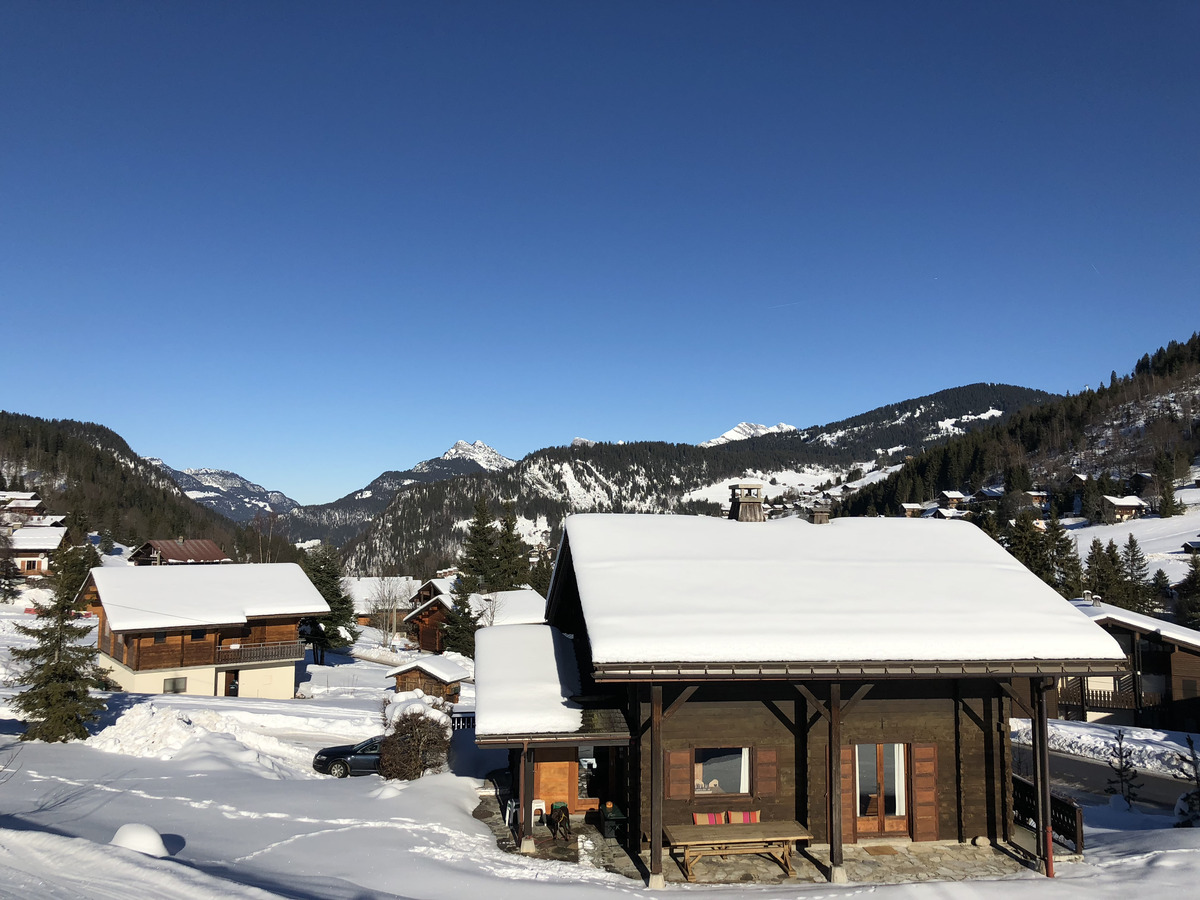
(837, 868)
(657, 764)
(1041, 749)
(1083, 698)
(525, 790)
(1138, 718)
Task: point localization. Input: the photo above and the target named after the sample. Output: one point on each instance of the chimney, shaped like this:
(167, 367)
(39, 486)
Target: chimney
(745, 503)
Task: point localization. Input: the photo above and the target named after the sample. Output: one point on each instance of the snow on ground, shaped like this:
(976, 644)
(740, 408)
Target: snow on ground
(1160, 539)
(227, 783)
(1150, 749)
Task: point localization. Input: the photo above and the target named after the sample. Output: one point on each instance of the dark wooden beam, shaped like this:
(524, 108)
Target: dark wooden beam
(525, 817)
(853, 701)
(834, 781)
(657, 763)
(683, 698)
(812, 698)
(1016, 698)
(1042, 758)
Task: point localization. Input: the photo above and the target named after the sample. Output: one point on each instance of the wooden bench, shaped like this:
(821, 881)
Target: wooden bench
(774, 839)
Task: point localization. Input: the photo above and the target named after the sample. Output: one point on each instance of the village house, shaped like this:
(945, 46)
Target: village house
(1122, 509)
(436, 676)
(228, 630)
(699, 671)
(33, 547)
(179, 552)
(1161, 687)
(426, 623)
(951, 499)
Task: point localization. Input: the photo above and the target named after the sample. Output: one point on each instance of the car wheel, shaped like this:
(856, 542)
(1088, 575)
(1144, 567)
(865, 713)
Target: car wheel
(339, 769)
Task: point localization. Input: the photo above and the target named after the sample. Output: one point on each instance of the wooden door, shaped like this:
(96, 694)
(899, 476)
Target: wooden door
(880, 790)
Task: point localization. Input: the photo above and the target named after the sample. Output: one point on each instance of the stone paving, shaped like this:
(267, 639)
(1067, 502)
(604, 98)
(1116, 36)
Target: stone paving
(885, 862)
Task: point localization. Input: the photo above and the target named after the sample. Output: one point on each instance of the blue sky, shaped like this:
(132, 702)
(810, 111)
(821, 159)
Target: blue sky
(312, 242)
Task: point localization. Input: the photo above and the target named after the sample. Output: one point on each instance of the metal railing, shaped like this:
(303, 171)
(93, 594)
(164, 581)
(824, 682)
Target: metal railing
(1066, 816)
(275, 651)
(459, 721)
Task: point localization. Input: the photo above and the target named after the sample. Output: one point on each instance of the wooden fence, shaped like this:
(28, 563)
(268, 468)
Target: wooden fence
(1066, 816)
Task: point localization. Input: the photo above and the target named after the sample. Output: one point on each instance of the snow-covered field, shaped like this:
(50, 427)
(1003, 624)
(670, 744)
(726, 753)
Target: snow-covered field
(1160, 539)
(227, 783)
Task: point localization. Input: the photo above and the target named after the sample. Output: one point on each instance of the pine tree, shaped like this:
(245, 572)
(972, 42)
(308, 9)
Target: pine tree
(1136, 572)
(1103, 577)
(1164, 474)
(339, 628)
(512, 555)
(1121, 763)
(540, 574)
(1067, 571)
(1188, 603)
(1027, 544)
(10, 576)
(479, 550)
(59, 672)
(458, 631)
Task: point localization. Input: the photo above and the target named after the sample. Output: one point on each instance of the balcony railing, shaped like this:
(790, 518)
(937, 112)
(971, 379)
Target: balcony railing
(276, 651)
(1094, 699)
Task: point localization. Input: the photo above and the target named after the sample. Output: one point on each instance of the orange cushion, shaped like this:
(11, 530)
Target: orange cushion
(735, 817)
(708, 818)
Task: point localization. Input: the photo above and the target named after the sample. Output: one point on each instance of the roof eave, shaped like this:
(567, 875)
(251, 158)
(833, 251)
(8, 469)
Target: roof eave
(612, 739)
(790, 671)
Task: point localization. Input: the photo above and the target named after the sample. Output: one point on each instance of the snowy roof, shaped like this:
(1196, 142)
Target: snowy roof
(30, 539)
(46, 521)
(1126, 501)
(139, 598)
(182, 551)
(954, 495)
(18, 505)
(525, 676)
(17, 495)
(439, 667)
(441, 599)
(523, 607)
(664, 589)
(1106, 612)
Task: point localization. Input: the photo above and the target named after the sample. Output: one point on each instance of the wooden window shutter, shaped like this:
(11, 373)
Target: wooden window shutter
(679, 775)
(924, 789)
(766, 771)
(849, 808)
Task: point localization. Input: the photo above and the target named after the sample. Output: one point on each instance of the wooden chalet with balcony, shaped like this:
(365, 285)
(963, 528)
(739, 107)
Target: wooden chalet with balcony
(32, 549)
(706, 670)
(1161, 685)
(230, 630)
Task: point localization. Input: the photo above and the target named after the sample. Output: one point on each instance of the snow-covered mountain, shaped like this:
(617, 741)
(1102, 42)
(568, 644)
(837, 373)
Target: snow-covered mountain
(341, 520)
(226, 492)
(744, 430)
(488, 458)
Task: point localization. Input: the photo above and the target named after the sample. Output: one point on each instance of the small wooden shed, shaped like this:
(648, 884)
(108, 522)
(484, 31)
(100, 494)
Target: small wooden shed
(436, 676)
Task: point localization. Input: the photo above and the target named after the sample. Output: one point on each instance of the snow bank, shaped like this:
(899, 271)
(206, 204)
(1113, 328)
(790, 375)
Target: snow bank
(1149, 749)
(141, 838)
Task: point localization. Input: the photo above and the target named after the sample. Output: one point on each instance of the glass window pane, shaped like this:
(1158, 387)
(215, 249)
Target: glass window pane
(867, 780)
(722, 771)
(893, 779)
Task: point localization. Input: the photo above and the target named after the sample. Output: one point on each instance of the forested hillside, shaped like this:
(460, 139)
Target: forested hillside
(1136, 423)
(89, 471)
(424, 525)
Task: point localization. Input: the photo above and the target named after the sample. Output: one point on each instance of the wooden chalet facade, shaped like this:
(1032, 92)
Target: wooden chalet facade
(209, 630)
(181, 551)
(775, 669)
(434, 676)
(32, 549)
(1122, 509)
(1161, 685)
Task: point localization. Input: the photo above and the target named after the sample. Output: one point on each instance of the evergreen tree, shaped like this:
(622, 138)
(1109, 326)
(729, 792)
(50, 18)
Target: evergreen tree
(479, 550)
(1187, 603)
(1027, 544)
(540, 574)
(1135, 572)
(458, 631)
(1164, 474)
(1160, 586)
(1103, 577)
(512, 555)
(10, 576)
(339, 628)
(58, 671)
(1067, 571)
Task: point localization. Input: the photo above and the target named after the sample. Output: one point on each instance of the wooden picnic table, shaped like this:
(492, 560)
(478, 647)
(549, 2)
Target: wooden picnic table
(774, 839)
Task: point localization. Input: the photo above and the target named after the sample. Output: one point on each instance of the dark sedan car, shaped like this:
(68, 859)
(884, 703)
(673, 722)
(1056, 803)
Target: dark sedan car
(351, 759)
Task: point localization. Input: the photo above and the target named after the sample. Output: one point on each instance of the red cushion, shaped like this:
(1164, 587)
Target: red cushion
(708, 818)
(736, 817)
